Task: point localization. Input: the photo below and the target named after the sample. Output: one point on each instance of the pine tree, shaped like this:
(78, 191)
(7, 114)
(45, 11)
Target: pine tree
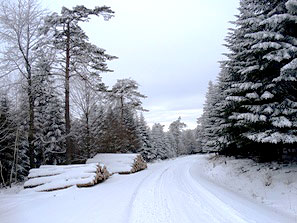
(125, 101)
(175, 129)
(189, 140)
(7, 131)
(209, 121)
(13, 144)
(79, 57)
(260, 101)
(159, 147)
(170, 145)
(145, 140)
(49, 124)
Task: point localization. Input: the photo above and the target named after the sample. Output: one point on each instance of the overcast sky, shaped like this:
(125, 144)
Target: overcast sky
(171, 48)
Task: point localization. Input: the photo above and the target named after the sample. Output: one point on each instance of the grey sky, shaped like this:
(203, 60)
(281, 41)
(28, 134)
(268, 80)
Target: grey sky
(171, 48)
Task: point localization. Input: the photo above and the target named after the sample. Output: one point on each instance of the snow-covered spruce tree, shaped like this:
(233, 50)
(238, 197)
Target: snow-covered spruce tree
(49, 140)
(77, 56)
(175, 128)
(125, 101)
(262, 101)
(96, 129)
(159, 147)
(87, 132)
(238, 59)
(145, 139)
(280, 92)
(21, 162)
(198, 137)
(112, 132)
(222, 108)
(208, 122)
(170, 145)
(7, 138)
(131, 141)
(189, 140)
(87, 103)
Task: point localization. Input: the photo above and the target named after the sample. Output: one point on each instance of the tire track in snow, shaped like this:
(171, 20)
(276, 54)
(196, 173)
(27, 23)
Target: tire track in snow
(205, 202)
(148, 203)
(171, 193)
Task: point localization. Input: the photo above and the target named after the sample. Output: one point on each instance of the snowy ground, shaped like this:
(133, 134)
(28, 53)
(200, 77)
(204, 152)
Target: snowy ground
(171, 191)
(272, 184)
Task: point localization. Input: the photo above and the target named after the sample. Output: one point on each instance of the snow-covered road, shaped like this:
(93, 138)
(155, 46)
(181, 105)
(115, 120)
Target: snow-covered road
(169, 191)
(178, 192)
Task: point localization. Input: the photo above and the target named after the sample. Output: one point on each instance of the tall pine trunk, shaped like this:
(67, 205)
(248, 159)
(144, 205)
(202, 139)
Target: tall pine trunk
(67, 106)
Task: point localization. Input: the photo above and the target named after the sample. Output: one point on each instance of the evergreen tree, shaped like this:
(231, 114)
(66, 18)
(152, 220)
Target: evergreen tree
(260, 102)
(189, 141)
(119, 135)
(209, 121)
(170, 145)
(13, 143)
(49, 122)
(175, 129)
(79, 57)
(172, 142)
(159, 147)
(125, 102)
(145, 139)
(7, 138)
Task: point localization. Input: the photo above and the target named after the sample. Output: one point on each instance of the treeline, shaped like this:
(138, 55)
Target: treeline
(46, 59)
(252, 109)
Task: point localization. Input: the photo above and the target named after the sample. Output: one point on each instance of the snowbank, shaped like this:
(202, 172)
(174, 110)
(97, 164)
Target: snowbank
(120, 163)
(49, 178)
(272, 184)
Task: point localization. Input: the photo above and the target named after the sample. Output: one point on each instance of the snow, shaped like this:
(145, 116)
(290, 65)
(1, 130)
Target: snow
(266, 45)
(115, 163)
(267, 95)
(54, 177)
(281, 122)
(291, 5)
(274, 185)
(188, 189)
(272, 137)
(252, 95)
(247, 85)
(249, 117)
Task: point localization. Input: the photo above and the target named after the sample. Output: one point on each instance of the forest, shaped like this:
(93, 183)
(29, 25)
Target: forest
(55, 109)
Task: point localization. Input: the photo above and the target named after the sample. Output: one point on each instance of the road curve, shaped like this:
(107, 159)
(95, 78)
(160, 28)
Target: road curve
(177, 191)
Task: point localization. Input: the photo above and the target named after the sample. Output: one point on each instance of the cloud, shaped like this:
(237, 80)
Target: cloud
(171, 48)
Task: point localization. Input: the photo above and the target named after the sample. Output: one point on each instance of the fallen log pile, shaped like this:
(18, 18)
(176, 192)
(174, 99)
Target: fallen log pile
(52, 177)
(120, 163)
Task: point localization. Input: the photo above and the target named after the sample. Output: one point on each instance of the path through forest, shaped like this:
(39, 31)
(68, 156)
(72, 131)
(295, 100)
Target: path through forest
(169, 191)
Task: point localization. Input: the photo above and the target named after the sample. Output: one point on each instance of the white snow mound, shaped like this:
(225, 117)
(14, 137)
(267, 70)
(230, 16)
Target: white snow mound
(120, 163)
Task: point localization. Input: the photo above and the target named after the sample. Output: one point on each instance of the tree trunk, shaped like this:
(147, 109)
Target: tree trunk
(31, 123)
(30, 98)
(67, 106)
(88, 137)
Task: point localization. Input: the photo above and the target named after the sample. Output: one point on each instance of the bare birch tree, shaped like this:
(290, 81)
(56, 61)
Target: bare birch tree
(19, 24)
